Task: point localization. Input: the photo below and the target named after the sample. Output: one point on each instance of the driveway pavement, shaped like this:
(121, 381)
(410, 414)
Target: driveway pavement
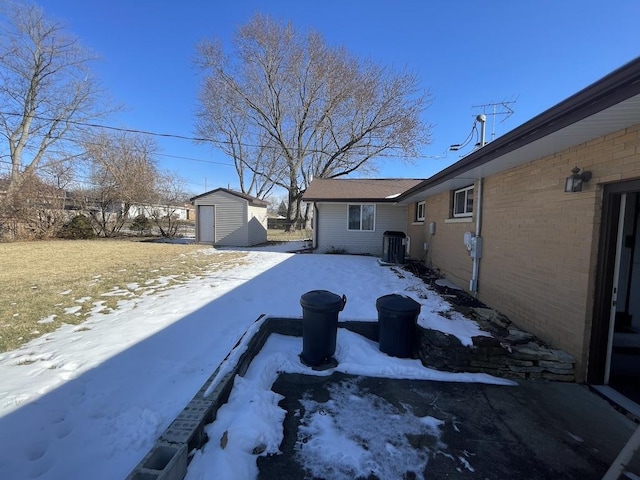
(536, 430)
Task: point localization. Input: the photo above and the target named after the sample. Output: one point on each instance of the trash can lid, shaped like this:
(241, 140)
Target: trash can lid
(398, 303)
(391, 233)
(322, 300)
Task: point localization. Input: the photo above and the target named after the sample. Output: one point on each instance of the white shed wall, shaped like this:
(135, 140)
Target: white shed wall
(331, 228)
(257, 225)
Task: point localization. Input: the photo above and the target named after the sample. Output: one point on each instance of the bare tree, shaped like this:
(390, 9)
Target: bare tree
(168, 197)
(277, 205)
(122, 172)
(38, 210)
(287, 107)
(257, 164)
(46, 90)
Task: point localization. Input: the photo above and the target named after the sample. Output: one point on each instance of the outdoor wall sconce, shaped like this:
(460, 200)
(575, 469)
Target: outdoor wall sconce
(576, 179)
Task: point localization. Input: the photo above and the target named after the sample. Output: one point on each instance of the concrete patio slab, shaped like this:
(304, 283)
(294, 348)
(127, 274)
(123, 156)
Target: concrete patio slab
(536, 430)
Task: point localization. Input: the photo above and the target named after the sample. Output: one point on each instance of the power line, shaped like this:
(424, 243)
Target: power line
(120, 129)
(194, 159)
(218, 143)
(159, 154)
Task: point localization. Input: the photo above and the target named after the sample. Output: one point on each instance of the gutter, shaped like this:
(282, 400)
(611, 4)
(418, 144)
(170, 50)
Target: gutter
(316, 230)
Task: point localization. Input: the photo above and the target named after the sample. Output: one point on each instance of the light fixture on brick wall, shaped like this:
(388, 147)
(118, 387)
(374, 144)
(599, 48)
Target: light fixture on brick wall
(576, 179)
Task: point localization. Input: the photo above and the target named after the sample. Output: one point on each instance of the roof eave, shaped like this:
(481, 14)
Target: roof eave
(350, 200)
(252, 201)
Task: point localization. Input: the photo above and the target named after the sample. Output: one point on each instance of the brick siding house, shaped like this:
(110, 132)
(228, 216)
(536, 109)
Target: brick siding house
(563, 265)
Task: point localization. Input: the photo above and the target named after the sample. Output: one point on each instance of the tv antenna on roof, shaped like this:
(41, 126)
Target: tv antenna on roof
(494, 109)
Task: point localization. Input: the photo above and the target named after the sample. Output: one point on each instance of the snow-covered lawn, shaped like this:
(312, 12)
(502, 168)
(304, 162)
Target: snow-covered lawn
(90, 400)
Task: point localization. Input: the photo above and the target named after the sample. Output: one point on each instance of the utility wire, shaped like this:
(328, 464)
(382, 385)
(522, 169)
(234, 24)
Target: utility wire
(218, 143)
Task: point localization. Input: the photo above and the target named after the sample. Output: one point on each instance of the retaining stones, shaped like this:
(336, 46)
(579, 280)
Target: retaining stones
(509, 352)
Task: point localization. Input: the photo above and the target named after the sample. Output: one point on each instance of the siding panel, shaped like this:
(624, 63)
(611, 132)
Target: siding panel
(332, 233)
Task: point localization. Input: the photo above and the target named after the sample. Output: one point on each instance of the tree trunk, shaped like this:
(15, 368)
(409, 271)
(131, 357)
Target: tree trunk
(307, 219)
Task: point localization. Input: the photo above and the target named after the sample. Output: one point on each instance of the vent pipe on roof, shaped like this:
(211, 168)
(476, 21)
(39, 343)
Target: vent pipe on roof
(482, 118)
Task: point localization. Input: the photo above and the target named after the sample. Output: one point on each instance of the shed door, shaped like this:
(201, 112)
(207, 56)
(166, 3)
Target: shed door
(206, 223)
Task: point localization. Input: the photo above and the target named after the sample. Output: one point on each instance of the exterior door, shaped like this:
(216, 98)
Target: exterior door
(615, 287)
(614, 357)
(206, 223)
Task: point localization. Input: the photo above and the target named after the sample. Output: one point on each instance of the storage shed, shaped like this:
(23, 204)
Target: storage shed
(228, 218)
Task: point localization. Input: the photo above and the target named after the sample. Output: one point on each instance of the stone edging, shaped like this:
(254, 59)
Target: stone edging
(509, 352)
(168, 458)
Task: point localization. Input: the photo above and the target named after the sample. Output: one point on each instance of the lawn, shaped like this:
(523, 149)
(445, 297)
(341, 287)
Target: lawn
(282, 236)
(70, 279)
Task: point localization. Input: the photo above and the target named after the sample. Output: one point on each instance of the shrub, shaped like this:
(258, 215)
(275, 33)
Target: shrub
(141, 224)
(79, 227)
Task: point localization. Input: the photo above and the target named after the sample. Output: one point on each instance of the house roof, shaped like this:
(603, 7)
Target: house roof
(357, 189)
(608, 105)
(253, 201)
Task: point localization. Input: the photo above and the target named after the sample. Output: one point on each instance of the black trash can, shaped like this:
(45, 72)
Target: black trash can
(320, 310)
(393, 247)
(397, 319)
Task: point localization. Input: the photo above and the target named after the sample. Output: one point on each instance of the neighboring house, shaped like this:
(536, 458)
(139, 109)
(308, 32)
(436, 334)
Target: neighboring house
(229, 218)
(190, 212)
(45, 196)
(180, 212)
(565, 266)
(351, 215)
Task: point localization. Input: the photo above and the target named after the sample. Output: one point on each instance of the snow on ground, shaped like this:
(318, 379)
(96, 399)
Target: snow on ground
(94, 397)
(353, 435)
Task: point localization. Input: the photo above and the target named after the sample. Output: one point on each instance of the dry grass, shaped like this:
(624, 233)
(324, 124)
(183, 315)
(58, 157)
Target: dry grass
(282, 236)
(67, 278)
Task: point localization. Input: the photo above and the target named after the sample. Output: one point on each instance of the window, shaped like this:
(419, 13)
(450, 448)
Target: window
(463, 202)
(420, 212)
(362, 217)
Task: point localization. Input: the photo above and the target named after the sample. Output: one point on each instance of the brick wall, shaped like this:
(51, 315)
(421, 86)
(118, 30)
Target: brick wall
(446, 247)
(540, 244)
(416, 232)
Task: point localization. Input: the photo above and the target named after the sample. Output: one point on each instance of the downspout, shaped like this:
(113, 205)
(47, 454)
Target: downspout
(316, 230)
(477, 250)
(477, 247)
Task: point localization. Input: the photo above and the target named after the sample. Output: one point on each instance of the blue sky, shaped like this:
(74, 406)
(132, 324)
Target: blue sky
(466, 53)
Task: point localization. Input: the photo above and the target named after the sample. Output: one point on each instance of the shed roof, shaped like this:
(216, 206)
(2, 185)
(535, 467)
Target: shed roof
(357, 189)
(253, 201)
(608, 105)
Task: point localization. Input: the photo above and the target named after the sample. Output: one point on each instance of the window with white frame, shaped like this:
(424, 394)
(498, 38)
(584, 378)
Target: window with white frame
(420, 212)
(463, 202)
(362, 217)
